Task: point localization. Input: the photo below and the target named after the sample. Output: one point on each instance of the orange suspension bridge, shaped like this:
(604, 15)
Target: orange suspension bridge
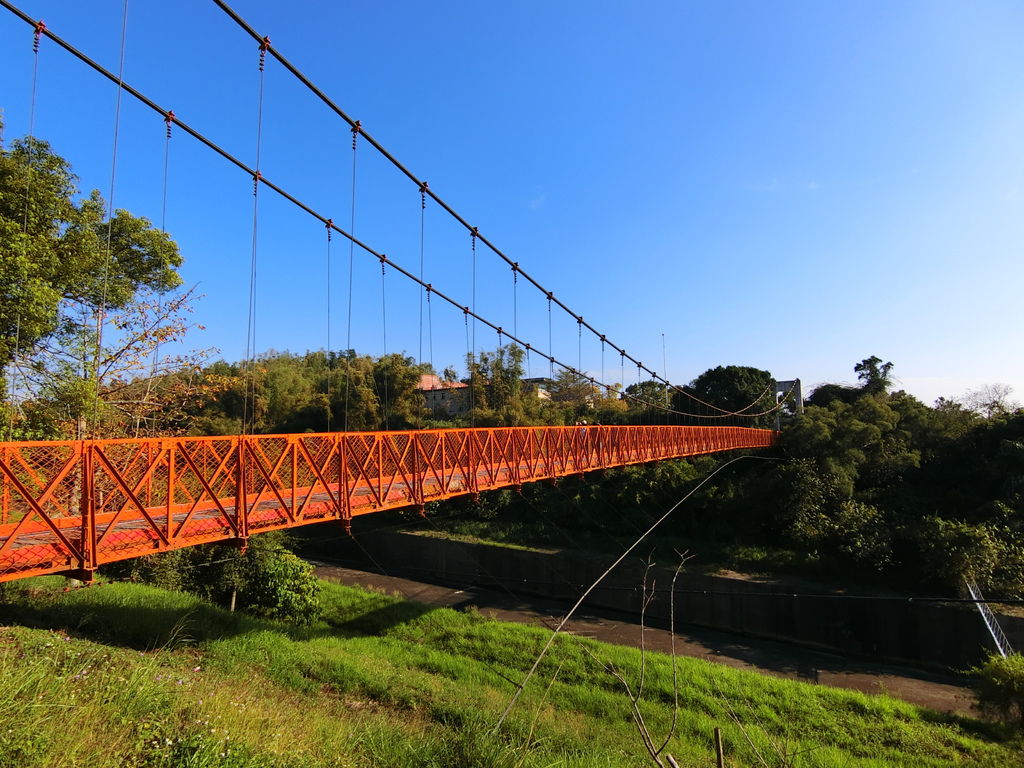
(69, 507)
(73, 506)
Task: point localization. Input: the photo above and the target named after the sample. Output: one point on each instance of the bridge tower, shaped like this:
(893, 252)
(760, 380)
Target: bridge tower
(796, 399)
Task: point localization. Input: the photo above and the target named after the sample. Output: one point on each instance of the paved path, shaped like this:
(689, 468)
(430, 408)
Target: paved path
(942, 693)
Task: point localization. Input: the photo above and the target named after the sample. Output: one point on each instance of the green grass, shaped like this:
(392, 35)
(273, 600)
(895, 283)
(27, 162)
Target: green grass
(127, 675)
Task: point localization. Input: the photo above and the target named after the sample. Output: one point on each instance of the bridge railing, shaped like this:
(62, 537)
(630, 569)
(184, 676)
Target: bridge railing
(72, 506)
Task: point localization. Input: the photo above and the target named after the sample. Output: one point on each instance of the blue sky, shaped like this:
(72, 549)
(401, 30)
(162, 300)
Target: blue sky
(794, 185)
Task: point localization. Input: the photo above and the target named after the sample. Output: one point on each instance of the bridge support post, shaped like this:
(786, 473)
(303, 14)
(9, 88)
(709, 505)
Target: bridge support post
(241, 539)
(89, 560)
(85, 575)
(344, 495)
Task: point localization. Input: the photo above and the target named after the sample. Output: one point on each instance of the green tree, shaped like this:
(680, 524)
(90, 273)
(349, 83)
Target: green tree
(824, 394)
(496, 381)
(739, 388)
(1000, 688)
(56, 265)
(862, 445)
(396, 379)
(86, 300)
(573, 392)
(646, 395)
(875, 376)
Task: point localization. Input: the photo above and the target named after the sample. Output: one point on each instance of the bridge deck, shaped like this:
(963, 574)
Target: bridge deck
(72, 506)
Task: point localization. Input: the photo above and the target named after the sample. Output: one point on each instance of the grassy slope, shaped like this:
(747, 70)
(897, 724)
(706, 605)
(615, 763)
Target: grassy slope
(390, 683)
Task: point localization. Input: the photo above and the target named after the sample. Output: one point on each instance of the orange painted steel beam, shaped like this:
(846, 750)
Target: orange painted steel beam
(72, 506)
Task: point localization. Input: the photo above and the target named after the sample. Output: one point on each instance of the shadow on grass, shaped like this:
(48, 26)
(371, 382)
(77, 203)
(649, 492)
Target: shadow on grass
(146, 618)
(990, 730)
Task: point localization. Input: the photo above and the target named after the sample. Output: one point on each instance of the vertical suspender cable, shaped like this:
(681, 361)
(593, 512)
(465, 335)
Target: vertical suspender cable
(154, 365)
(101, 313)
(622, 370)
(515, 299)
(473, 239)
(579, 346)
(13, 386)
(327, 356)
(472, 348)
(249, 413)
(386, 413)
(551, 354)
(471, 363)
(423, 216)
(430, 330)
(351, 261)
(425, 287)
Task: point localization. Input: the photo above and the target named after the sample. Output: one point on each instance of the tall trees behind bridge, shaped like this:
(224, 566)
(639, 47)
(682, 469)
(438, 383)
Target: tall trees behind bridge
(871, 486)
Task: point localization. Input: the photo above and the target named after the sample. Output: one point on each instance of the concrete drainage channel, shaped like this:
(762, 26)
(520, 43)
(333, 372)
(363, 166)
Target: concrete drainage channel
(860, 644)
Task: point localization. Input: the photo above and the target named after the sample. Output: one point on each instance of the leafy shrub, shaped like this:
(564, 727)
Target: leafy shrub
(266, 580)
(279, 585)
(1000, 688)
(991, 555)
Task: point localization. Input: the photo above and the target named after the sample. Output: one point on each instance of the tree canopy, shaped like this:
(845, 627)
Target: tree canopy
(66, 272)
(60, 256)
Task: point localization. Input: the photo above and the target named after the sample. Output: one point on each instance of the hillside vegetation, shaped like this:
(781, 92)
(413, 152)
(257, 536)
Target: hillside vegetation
(868, 487)
(126, 674)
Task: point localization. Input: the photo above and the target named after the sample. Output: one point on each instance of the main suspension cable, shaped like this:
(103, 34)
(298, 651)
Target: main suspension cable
(302, 78)
(259, 179)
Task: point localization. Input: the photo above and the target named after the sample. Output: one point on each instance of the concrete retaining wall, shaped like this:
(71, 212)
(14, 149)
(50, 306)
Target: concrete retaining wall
(931, 634)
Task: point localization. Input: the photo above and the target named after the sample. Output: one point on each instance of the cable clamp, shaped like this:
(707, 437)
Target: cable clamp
(429, 288)
(264, 47)
(256, 179)
(330, 226)
(357, 128)
(40, 29)
(169, 121)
